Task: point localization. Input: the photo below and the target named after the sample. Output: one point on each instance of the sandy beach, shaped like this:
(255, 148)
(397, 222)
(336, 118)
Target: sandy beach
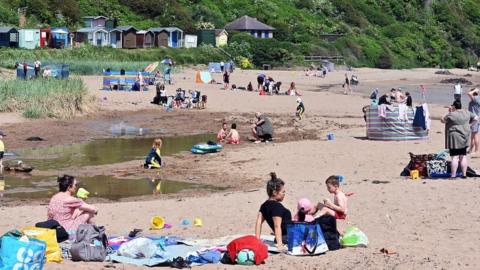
(431, 223)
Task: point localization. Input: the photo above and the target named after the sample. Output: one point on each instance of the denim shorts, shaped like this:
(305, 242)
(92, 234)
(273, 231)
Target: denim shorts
(474, 126)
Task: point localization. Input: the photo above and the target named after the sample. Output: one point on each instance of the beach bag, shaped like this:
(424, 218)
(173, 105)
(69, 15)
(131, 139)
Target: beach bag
(436, 167)
(328, 224)
(305, 238)
(419, 162)
(90, 245)
(22, 253)
(249, 242)
(53, 253)
(62, 234)
(353, 237)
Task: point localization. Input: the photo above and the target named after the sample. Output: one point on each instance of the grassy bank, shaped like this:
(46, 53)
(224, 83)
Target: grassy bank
(40, 98)
(89, 60)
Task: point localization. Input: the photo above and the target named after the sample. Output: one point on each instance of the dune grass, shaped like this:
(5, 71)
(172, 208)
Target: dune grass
(41, 98)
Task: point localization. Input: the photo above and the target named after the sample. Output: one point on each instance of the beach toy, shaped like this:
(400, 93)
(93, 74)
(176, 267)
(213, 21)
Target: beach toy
(157, 222)
(245, 257)
(185, 222)
(82, 193)
(414, 174)
(330, 136)
(197, 222)
(353, 237)
(167, 226)
(340, 178)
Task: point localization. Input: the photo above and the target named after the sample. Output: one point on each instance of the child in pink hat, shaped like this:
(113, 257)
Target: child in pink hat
(305, 208)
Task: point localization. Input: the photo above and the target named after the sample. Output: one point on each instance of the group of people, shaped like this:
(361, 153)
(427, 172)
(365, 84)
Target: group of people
(37, 66)
(181, 99)
(277, 216)
(228, 136)
(396, 96)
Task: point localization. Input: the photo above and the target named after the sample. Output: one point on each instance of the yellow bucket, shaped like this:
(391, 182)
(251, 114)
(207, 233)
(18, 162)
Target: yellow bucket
(157, 222)
(197, 222)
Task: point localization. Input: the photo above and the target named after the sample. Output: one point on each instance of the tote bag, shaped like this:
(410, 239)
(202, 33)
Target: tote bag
(22, 255)
(305, 239)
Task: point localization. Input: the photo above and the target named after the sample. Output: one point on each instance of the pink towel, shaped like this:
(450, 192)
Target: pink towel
(382, 111)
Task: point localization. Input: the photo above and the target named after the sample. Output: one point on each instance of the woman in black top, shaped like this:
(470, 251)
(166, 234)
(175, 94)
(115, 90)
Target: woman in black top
(273, 212)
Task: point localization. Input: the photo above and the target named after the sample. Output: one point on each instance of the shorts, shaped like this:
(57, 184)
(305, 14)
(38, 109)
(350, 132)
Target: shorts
(339, 215)
(457, 97)
(474, 126)
(458, 152)
(1, 154)
(260, 80)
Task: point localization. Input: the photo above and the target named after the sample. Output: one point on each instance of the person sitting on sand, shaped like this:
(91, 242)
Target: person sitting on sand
(263, 129)
(47, 73)
(338, 208)
(305, 209)
(250, 87)
(292, 91)
(233, 137)
(67, 210)
(154, 158)
(274, 213)
(222, 133)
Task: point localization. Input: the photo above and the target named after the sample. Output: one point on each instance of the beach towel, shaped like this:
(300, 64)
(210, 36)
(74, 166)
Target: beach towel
(426, 114)
(419, 118)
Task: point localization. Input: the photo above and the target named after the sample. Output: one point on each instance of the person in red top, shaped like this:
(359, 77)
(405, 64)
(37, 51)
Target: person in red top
(338, 208)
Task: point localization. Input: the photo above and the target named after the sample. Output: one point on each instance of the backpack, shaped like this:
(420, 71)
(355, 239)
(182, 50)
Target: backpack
(90, 245)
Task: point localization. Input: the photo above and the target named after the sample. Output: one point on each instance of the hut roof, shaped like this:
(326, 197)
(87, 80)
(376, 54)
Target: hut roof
(126, 28)
(168, 29)
(247, 23)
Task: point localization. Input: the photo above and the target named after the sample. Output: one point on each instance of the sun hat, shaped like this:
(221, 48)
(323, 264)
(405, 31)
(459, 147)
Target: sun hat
(305, 203)
(82, 193)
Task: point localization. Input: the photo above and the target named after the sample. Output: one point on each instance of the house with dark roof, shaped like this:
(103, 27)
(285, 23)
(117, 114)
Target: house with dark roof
(252, 26)
(128, 35)
(167, 36)
(8, 37)
(97, 36)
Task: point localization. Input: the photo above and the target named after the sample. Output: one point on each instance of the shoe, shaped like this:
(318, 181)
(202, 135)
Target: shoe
(179, 263)
(134, 233)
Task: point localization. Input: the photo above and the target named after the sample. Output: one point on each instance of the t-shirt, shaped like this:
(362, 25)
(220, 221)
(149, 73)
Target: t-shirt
(2, 146)
(474, 105)
(266, 127)
(458, 89)
(383, 100)
(270, 209)
(37, 64)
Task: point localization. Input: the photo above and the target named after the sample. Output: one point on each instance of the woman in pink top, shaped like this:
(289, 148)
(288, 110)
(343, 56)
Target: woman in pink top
(69, 211)
(233, 137)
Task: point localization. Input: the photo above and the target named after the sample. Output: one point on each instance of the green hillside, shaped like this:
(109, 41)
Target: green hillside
(377, 33)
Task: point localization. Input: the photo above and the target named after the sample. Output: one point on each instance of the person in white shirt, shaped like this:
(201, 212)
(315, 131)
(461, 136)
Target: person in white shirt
(457, 92)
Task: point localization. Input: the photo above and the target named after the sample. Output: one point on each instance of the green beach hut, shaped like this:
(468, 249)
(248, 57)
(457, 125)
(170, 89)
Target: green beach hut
(29, 38)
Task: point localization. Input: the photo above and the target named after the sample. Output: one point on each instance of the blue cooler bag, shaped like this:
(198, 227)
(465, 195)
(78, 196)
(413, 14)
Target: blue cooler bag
(305, 239)
(22, 255)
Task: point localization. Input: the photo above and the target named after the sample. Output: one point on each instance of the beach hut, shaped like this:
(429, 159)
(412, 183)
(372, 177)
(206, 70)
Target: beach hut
(221, 37)
(59, 38)
(45, 37)
(386, 124)
(206, 37)
(145, 39)
(129, 36)
(252, 26)
(95, 21)
(116, 38)
(96, 36)
(8, 37)
(29, 38)
(190, 41)
(168, 37)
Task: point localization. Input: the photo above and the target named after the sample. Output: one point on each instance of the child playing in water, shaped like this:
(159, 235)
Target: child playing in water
(154, 158)
(305, 208)
(338, 208)
(233, 137)
(222, 133)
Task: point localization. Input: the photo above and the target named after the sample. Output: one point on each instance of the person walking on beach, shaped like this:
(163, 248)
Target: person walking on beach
(457, 136)
(423, 91)
(346, 85)
(226, 80)
(300, 109)
(457, 92)
(222, 66)
(474, 107)
(36, 66)
(2, 151)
